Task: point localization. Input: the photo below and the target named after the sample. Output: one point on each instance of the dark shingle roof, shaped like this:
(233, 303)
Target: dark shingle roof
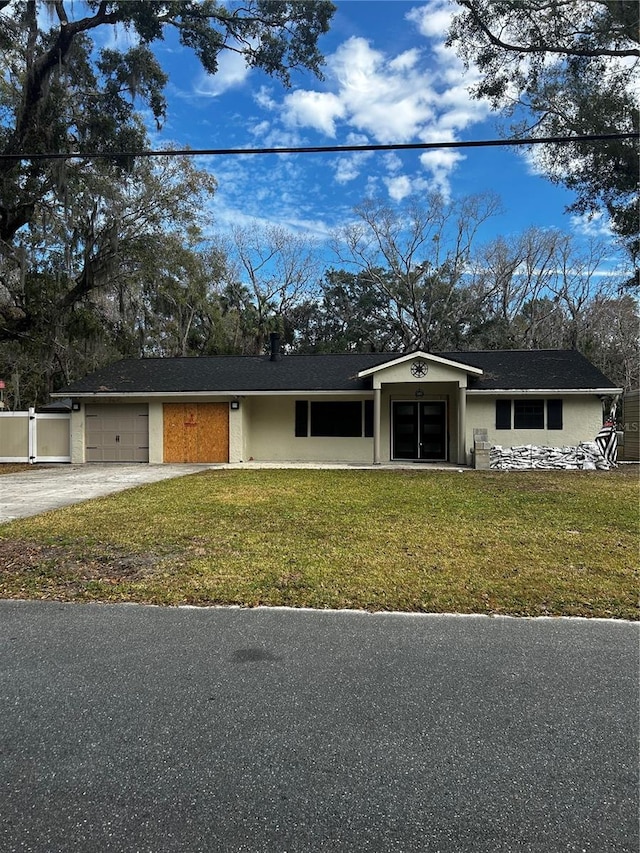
(232, 373)
(530, 369)
(504, 369)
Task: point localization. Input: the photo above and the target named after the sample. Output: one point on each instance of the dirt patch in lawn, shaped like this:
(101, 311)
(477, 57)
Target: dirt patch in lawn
(64, 566)
(19, 467)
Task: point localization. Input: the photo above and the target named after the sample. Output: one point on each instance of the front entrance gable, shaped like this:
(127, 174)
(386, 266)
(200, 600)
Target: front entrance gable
(420, 367)
(419, 402)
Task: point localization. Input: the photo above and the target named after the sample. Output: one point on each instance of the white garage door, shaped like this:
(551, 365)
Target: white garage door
(118, 433)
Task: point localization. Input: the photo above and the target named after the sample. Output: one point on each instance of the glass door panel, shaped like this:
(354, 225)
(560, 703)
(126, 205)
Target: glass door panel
(405, 430)
(419, 430)
(433, 431)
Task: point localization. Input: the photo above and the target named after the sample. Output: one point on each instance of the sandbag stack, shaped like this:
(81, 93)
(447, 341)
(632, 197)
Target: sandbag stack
(586, 456)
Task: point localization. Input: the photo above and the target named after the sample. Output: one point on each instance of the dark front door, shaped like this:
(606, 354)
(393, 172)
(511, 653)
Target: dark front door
(420, 430)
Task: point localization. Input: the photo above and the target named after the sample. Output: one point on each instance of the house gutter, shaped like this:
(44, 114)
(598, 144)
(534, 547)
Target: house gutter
(91, 395)
(515, 391)
(367, 394)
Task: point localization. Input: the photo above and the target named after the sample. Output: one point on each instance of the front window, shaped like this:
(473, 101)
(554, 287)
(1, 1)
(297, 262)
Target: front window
(528, 414)
(334, 418)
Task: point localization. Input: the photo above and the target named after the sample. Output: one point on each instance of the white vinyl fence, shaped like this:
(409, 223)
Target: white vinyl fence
(35, 437)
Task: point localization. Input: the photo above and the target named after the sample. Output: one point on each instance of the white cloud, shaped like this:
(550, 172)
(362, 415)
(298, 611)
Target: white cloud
(232, 71)
(260, 130)
(265, 191)
(318, 110)
(392, 162)
(432, 19)
(405, 61)
(595, 224)
(530, 157)
(372, 188)
(398, 187)
(369, 95)
(440, 162)
(386, 98)
(348, 167)
(264, 99)
(274, 136)
(418, 94)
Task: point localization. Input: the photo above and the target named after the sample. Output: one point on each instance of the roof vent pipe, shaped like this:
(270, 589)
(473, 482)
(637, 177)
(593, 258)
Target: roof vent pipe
(274, 338)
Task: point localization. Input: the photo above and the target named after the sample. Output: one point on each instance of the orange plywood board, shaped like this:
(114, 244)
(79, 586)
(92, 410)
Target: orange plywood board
(196, 432)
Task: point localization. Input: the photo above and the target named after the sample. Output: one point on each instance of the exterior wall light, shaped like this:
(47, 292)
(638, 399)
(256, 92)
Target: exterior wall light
(234, 405)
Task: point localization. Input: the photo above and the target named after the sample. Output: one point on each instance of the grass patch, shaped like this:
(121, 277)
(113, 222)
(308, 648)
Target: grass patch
(534, 543)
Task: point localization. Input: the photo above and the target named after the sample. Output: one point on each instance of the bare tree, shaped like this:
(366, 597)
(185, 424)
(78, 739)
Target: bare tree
(417, 258)
(509, 276)
(278, 269)
(542, 290)
(581, 284)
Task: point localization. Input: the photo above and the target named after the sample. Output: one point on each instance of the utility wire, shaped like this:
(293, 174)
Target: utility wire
(321, 149)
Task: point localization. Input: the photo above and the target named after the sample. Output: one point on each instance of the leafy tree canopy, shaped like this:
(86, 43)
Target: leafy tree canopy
(565, 67)
(103, 247)
(59, 94)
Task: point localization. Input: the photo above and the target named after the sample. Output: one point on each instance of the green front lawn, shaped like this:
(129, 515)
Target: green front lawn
(553, 543)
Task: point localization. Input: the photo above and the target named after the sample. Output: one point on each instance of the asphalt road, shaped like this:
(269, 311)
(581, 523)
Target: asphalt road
(128, 728)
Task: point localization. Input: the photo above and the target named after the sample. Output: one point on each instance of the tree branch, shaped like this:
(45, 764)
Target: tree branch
(39, 72)
(497, 41)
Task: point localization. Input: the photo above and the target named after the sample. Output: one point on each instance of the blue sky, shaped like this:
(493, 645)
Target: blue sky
(388, 79)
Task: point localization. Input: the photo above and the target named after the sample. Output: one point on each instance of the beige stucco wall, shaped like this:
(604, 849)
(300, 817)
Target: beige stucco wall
(237, 420)
(581, 419)
(77, 436)
(270, 436)
(156, 427)
(262, 428)
(269, 427)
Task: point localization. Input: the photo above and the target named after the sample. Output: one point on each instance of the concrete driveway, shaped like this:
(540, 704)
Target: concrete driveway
(42, 489)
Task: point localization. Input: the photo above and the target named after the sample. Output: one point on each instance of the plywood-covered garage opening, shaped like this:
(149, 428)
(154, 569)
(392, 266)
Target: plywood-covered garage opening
(196, 432)
(117, 433)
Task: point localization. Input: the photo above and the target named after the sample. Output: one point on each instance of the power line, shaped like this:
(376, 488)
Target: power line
(320, 149)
